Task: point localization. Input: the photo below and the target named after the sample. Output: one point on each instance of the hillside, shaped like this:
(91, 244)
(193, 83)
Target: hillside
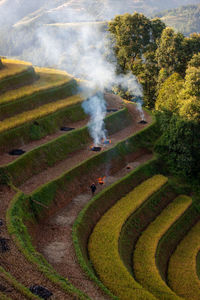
(185, 19)
(25, 35)
(53, 225)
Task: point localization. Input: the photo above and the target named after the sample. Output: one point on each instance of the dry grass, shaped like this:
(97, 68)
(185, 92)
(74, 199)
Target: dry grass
(182, 273)
(42, 111)
(103, 242)
(48, 79)
(145, 268)
(12, 67)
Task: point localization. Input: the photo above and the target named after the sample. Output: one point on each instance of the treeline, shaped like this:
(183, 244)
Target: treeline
(185, 19)
(167, 64)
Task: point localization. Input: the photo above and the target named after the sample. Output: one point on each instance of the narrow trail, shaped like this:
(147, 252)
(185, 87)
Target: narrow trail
(53, 237)
(78, 156)
(14, 262)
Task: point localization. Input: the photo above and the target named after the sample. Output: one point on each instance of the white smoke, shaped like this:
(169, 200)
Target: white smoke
(95, 106)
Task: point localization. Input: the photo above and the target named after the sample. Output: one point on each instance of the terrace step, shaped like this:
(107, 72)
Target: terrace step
(183, 270)
(145, 254)
(10, 287)
(51, 86)
(34, 114)
(14, 262)
(53, 236)
(15, 74)
(103, 242)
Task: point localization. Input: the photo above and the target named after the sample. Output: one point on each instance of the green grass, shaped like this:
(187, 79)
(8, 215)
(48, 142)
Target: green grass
(39, 112)
(46, 80)
(47, 155)
(45, 125)
(145, 268)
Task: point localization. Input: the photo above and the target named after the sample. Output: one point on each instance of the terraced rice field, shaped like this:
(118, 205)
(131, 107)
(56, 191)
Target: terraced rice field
(47, 211)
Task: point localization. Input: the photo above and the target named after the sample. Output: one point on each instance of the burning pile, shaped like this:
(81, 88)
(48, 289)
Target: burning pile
(101, 180)
(95, 148)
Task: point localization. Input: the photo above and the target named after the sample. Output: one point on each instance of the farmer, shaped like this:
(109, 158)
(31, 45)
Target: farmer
(93, 188)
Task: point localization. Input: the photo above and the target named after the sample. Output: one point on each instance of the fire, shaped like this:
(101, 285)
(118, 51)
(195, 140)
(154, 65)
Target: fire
(101, 180)
(106, 141)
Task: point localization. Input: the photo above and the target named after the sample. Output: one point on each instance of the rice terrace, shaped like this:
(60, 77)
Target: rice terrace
(99, 169)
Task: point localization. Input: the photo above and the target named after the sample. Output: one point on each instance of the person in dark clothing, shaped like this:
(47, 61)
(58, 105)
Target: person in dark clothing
(93, 188)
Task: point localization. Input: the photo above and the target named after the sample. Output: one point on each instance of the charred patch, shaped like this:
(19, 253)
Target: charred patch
(40, 291)
(142, 122)
(66, 128)
(97, 149)
(4, 245)
(17, 152)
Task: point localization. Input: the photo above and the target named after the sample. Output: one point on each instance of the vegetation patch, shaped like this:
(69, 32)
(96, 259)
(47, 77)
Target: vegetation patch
(145, 269)
(47, 93)
(103, 242)
(35, 130)
(49, 154)
(182, 271)
(39, 112)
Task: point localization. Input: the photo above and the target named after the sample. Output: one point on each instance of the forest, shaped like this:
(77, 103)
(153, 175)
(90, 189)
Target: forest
(167, 65)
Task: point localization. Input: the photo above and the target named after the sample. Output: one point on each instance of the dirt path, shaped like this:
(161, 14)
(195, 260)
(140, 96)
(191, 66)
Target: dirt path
(78, 156)
(55, 242)
(13, 260)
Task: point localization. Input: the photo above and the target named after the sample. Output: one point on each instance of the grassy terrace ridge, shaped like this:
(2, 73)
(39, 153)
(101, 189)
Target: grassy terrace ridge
(145, 268)
(48, 78)
(18, 231)
(184, 264)
(18, 286)
(48, 154)
(19, 214)
(48, 124)
(4, 297)
(13, 67)
(39, 112)
(103, 242)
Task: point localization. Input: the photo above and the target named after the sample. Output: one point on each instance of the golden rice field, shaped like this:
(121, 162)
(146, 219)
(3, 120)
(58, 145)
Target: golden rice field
(103, 242)
(39, 112)
(144, 261)
(182, 271)
(12, 67)
(48, 79)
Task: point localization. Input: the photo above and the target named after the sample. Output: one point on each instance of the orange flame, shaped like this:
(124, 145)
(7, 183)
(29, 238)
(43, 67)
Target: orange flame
(101, 180)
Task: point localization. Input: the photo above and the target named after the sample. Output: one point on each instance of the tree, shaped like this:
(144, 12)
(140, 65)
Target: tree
(195, 61)
(170, 54)
(168, 96)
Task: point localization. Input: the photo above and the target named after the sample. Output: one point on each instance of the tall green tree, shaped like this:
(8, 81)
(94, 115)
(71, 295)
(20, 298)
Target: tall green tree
(168, 96)
(170, 54)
